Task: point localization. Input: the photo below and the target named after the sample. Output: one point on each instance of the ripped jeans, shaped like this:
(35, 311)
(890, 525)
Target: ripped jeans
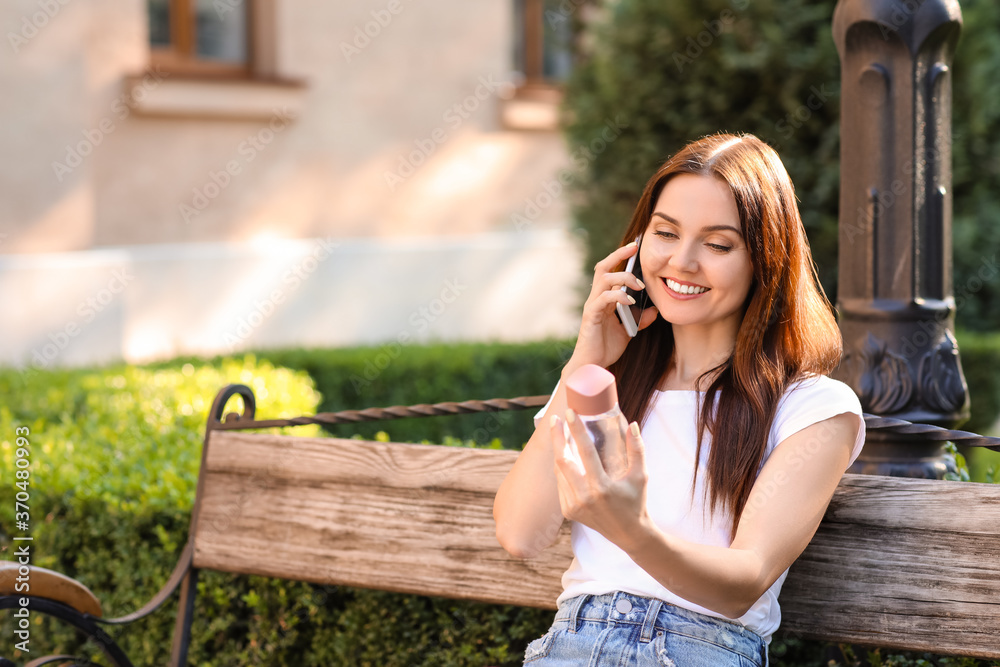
(623, 629)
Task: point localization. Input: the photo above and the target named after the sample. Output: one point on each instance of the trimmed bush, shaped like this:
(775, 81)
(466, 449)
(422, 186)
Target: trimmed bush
(115, 455)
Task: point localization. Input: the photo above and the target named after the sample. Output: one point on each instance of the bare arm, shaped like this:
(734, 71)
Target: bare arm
(783, 512)
(526, 508)
(784, 509)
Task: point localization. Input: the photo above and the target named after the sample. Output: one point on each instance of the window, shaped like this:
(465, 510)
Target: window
(542, 49)
(201, 37)
(221, 60)
(543, 58)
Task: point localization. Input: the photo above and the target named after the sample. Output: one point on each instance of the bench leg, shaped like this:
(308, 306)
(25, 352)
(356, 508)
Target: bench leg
(185, 612)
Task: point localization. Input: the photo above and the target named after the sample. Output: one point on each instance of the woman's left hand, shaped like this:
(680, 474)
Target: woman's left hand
(616, 508)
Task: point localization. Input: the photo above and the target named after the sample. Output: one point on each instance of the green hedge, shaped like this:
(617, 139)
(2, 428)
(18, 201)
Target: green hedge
(115, 457)
(980, 353)
(385, 375)
(129, 436)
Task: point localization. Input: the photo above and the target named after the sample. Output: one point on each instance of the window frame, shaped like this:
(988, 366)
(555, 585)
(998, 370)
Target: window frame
(534, 46)
(180, 57)
(534, 103)
(532, 42)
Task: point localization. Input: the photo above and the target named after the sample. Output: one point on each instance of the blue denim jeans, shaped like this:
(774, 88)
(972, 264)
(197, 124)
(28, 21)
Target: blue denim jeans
(622, 629)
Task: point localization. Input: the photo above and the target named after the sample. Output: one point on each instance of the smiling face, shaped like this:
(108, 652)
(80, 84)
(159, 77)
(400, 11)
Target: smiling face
(694, 260)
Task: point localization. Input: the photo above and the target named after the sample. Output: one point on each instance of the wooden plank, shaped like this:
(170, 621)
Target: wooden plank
(902, 563)
(45, 583)
(390, 516)
(897, 562)
(931, 504)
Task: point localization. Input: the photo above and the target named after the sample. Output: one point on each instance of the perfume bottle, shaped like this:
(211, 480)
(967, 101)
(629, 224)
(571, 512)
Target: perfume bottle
(591, 393)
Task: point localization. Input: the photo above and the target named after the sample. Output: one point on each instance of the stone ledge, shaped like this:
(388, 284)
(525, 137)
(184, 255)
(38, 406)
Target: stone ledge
(239, 99)
(531, 108)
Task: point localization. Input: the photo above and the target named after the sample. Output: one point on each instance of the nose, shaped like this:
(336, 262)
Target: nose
(684, 258)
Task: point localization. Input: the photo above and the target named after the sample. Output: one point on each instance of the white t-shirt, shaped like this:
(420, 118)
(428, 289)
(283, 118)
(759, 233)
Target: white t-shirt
(670, 436)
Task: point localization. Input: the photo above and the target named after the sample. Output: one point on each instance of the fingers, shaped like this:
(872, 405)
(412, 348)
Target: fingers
(616, 260)
(558, 439)
(607, 266)
(585, 448)
(619, 278)
(559, 458)
(636, 451)
(613, 296)
(616, 257)
(602, 305)
(564, 454)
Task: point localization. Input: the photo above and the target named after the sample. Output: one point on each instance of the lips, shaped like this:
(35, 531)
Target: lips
(684, 288)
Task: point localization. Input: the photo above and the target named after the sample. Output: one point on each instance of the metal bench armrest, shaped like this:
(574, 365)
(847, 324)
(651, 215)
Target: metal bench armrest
(181, 569)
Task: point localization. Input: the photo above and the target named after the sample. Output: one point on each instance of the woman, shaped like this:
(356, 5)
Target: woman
(737, 437)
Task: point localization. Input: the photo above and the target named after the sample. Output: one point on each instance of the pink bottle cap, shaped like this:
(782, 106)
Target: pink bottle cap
(591, 390)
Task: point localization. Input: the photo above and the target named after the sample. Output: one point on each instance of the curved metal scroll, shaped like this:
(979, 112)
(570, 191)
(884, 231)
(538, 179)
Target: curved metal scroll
(215, 414)
(85, 623)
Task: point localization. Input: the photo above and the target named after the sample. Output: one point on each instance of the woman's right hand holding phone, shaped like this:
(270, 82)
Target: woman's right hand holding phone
(603, 337)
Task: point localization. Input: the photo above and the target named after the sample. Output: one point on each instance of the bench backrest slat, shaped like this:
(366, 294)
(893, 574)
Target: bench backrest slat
(389, 516)
(896, 562)
(904, 563)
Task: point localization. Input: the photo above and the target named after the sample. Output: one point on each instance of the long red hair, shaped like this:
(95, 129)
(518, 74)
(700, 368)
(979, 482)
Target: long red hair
(788, 329)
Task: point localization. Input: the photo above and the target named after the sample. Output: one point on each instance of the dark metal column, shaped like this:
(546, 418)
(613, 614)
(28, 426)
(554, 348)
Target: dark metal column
(895, 274)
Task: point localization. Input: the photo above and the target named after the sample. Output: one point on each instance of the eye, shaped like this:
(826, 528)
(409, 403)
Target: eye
(666, 235)
(719, 248)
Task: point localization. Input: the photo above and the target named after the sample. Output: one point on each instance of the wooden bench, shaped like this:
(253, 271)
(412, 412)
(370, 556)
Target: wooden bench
(898, 563)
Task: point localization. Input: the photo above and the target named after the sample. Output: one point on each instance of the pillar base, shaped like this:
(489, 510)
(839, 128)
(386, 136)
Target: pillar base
(903, 459)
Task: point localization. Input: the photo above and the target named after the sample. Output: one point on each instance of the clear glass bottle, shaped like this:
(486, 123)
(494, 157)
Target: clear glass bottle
(591, 393)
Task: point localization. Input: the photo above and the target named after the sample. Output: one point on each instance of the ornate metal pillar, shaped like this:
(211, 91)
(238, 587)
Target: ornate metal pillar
(895, 274)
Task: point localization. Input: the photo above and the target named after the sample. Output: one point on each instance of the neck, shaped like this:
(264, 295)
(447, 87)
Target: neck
(698, 349)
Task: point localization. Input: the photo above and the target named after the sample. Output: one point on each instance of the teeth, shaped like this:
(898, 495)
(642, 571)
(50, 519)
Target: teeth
(685, 289)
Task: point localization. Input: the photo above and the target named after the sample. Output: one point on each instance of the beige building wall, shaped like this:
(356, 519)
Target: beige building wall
(377, 148)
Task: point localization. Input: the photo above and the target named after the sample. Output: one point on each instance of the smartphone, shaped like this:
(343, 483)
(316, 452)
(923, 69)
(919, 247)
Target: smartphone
(625, 315)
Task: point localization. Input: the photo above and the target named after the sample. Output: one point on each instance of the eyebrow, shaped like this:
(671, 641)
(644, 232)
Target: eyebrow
(710, 228)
